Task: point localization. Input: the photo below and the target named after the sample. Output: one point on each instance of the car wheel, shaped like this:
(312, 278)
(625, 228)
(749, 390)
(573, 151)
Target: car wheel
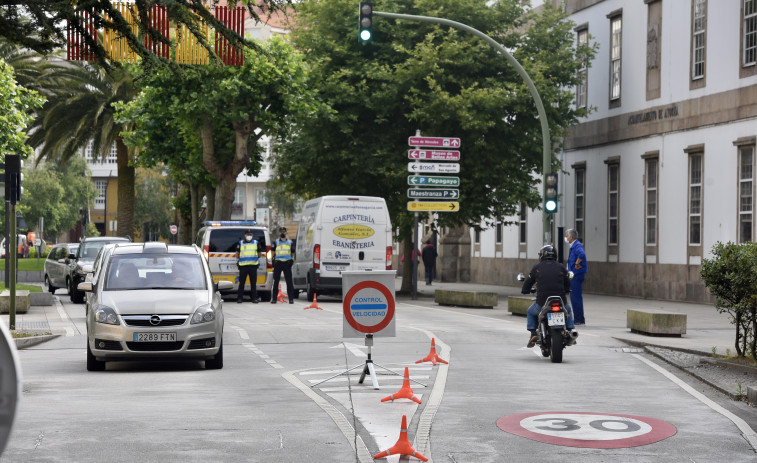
(216, 363)
(310, 292)
(50, 287)
(92, 363)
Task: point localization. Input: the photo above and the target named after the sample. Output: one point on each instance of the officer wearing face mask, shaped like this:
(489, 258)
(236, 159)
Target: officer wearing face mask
(248, 259)
(282, 262)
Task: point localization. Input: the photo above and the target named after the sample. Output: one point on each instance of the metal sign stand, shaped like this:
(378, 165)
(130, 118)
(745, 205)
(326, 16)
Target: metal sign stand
(368, 368)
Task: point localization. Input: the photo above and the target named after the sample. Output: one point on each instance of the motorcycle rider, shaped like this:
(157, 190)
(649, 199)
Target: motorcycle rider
(551, 279)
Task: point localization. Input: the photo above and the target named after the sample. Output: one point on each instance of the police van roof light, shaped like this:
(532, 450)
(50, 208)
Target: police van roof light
(221, 223)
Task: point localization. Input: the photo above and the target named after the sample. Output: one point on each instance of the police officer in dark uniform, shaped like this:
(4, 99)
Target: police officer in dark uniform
(551, 279)
(248, 259)
(282, 262)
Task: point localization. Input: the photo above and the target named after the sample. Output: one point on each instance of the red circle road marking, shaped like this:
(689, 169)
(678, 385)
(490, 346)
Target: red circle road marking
(587, 429)
(389, 302)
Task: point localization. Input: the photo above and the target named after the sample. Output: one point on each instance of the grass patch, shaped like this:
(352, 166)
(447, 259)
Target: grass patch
(26, 334)
(30, 288)
(26, 265)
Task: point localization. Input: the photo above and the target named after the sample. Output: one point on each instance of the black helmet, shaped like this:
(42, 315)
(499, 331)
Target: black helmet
(248, 232)
(547, 253)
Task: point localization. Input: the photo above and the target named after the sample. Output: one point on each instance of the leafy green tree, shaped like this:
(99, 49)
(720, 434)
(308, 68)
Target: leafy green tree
(16, 110)
(443, 82)
(731, 279)
(81, 109)
(227, 109)
(56, 194)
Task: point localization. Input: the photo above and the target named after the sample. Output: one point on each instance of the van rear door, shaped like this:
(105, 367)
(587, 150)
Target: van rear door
(354, 235)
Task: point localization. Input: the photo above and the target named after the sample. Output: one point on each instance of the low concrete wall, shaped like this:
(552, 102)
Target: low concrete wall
(656, 322)
(466, 298)
(518, 305)
(22, 301)
(41, 299)
(26, 276)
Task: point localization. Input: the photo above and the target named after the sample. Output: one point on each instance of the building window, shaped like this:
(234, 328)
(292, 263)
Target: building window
(746, 193)
(698, 38)
(237, 207)
(749, 31)
(477, 236)
(499, 231)
(613, 203)
(522, 224)
(695, 199)
(580, 200)
(261, 198)
(582, 39)
(616, 35)
(93, 158)
(101, 186)
(651, 202)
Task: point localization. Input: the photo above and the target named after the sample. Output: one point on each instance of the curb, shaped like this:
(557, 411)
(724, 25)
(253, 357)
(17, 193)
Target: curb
(647, 346)
(23, 343)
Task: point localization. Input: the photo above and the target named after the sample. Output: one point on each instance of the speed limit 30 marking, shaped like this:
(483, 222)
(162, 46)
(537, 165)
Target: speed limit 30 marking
(587, 429)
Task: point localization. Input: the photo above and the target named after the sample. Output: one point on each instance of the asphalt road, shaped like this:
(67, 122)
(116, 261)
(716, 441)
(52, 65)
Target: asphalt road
(495, 401)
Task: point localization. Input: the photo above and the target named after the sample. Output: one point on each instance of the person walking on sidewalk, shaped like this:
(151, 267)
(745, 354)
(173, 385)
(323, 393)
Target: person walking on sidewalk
(282, 262)
(248, 259)
(576, 264)
(551, 279)
(428, 254)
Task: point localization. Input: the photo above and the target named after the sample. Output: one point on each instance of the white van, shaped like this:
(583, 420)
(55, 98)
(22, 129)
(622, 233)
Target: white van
(339, 233)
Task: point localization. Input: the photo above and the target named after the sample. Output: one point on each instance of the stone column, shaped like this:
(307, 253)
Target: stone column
(454, 252)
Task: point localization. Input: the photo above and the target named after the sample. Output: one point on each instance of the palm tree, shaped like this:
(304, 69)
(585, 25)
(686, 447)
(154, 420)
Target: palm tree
(80, 108)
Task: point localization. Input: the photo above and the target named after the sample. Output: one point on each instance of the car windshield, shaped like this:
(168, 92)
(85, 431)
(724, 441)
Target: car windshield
(90, 250)
(144, 271)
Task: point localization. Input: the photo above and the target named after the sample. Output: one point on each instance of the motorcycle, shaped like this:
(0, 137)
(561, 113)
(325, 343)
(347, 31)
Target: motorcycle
(553, 337)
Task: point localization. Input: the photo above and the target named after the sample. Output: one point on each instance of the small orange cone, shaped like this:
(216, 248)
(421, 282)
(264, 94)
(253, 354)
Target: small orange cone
(402, 447)
(281, 297)
(405, 392)
(432, 357)
(314, 305)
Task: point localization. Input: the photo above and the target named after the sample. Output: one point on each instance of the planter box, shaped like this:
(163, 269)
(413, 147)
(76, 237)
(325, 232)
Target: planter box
(656, 322)
(476, 299)
(22, 301)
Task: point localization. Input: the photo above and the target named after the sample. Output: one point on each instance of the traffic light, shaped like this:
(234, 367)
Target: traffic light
(13, 178)
(365, 23)
(550, 192)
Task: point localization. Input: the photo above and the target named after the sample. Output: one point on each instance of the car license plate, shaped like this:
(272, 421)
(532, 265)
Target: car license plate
(555, 318)
(154, 337)
(336, 268)
(232, 268)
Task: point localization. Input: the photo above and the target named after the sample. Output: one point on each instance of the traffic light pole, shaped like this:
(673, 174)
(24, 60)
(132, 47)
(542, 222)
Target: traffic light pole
(546, 148)
(11, 269)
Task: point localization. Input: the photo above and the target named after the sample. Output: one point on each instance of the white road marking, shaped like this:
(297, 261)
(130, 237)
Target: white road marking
(354, 348)
(747, 431)
(70, 331)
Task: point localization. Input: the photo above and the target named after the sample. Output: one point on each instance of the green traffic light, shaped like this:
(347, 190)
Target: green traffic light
(365, 35)
(551, 205)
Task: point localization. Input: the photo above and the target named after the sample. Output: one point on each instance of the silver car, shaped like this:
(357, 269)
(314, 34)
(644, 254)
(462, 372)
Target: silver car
(153, 301)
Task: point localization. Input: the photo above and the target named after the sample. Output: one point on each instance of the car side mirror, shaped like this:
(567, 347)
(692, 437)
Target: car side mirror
(87, 268)
(85, 286)
(224, 285)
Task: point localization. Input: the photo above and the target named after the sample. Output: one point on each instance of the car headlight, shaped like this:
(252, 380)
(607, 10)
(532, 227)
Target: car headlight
(203, 314)
(105, 314)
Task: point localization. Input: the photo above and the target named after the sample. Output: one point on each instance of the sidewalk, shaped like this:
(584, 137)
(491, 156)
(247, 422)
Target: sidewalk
(606, 316)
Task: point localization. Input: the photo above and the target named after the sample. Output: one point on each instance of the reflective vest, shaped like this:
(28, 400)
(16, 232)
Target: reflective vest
(283, 250)
(248, 253)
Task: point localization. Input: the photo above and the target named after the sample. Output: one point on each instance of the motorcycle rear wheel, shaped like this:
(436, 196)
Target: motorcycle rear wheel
(557, 347)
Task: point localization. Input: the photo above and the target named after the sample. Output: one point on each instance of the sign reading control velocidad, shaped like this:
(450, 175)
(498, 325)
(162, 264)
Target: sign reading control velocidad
(368, 303)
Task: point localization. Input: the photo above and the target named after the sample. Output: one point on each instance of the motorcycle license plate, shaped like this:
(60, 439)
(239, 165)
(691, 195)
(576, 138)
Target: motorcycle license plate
(555, 318)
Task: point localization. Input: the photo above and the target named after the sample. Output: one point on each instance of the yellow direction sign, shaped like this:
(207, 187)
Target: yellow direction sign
(447, 206)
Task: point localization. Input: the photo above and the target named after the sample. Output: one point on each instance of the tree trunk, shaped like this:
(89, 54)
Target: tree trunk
(739, 336)
(407, 267)
(195, 208)
(210, 203)
(224, 197)
(126, 179)
(753, 333)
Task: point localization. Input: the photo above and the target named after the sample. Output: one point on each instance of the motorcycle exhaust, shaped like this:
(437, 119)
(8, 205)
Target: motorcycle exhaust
(574, 334)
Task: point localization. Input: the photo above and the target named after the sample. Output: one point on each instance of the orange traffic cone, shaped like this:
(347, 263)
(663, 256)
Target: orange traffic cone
(281, 297)
(405, 392)
(314, 305)
(402, 447)
(432, 357)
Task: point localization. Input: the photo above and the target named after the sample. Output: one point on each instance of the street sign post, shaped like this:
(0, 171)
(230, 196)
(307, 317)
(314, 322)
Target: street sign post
(435, 193)
(434, 155)
(440, 142)
(419, 180)
(433, 167)
(426, 206)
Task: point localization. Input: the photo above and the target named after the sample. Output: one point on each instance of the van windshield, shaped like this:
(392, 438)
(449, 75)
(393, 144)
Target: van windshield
(226, 239)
